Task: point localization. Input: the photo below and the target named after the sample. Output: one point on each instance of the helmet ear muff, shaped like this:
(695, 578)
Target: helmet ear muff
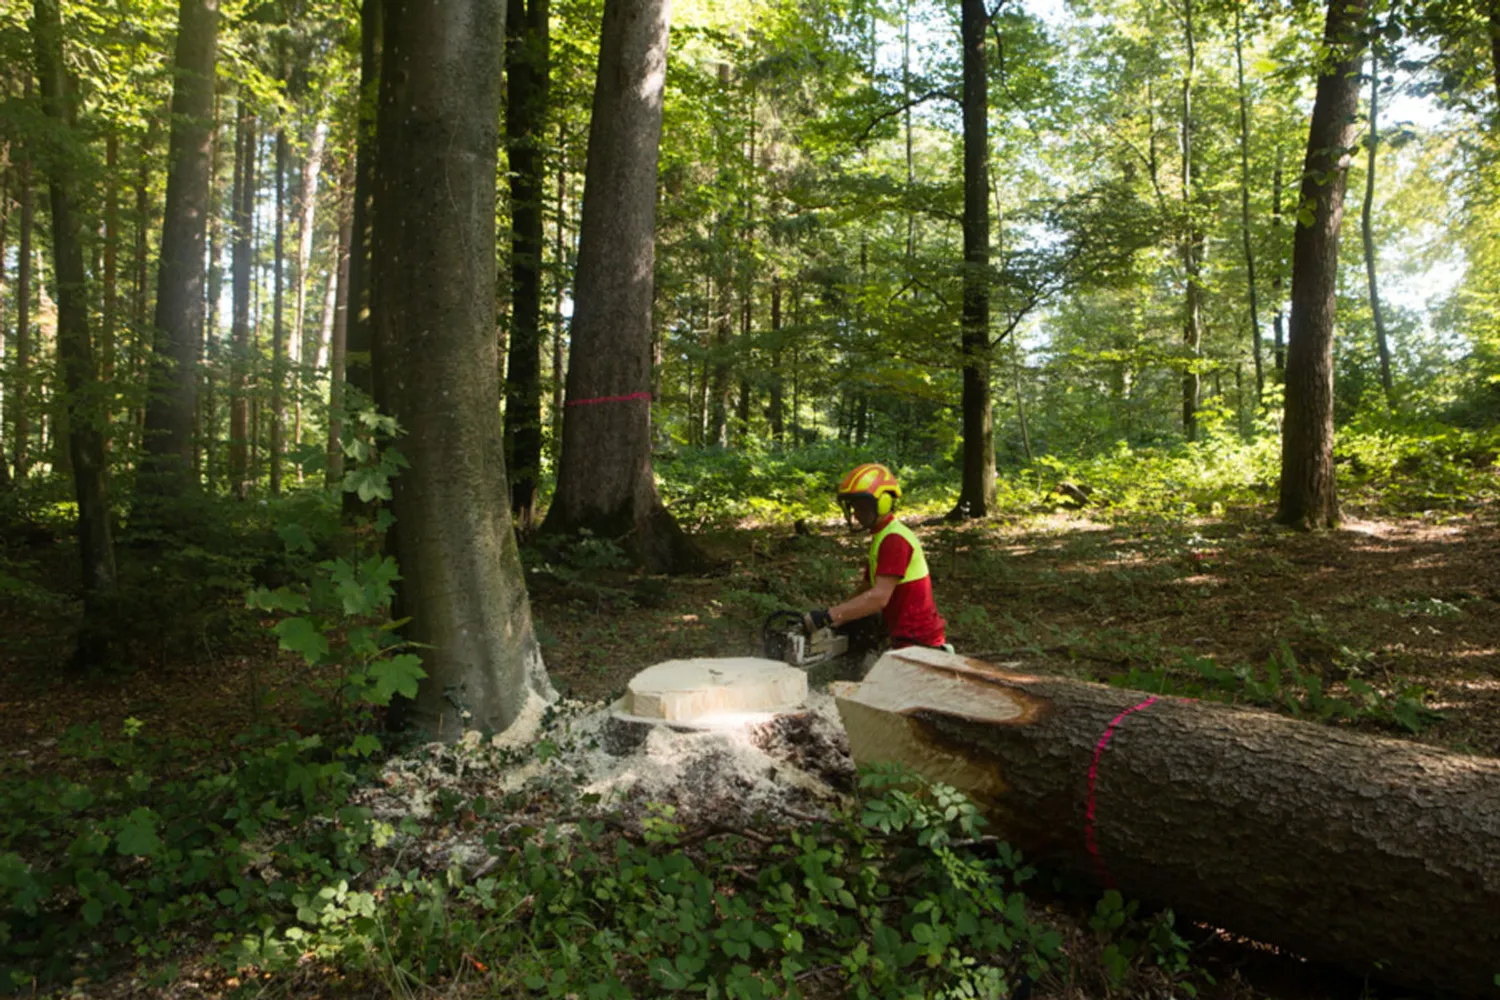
(885, 504)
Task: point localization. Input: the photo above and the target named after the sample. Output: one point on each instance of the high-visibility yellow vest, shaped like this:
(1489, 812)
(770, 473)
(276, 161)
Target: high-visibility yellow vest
(918, 566)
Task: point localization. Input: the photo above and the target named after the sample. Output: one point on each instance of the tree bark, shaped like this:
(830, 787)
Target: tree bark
(977, 496)
(560, 260)
(278, 331)
(359, 374)
(605, 482)
(208, 404)
(1367, 232)
(1239, 60)
(75, 353)
(1192, 241)
(435, 359)
(21, 375)
(1279, 355)
(109, 318)
(171, 406)
(527, 71)
(1309, 499)
(778, 383)
(242, 262)
(338, 343)
(719, 384)
(1345, 847)
(312, 170)
(5, 211)
(141, 337)
(1495, 48)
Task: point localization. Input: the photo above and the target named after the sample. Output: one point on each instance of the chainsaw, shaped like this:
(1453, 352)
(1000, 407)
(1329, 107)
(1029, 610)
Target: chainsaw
(789, 637)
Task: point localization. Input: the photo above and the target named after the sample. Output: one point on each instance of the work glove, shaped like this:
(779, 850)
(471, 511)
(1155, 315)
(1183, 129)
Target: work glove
(817, 618)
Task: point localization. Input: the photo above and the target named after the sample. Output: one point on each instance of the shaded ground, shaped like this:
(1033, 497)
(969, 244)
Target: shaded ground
(1400, 604)
(1393, 602)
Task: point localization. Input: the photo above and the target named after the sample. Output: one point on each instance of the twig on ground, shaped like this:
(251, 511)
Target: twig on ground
(815, 972)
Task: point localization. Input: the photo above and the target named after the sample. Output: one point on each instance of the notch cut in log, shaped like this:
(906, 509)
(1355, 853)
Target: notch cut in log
(1378, 855)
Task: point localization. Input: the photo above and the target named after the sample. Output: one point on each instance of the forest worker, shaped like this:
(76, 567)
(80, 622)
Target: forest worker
(898, 584)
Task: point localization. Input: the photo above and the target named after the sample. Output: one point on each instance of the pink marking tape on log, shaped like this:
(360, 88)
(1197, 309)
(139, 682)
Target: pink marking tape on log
(1088, 829)
(609, 399)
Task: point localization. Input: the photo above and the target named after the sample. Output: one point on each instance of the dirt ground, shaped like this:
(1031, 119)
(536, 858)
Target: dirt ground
(1394, 602)
(1405, 603)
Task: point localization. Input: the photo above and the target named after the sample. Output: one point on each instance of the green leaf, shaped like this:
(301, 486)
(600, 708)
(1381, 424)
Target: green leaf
(300, 635)
(138, 836)
(279, 599)
(296, 537)
(93, 912)
(662, 971)
(364, 744)
(397, 675)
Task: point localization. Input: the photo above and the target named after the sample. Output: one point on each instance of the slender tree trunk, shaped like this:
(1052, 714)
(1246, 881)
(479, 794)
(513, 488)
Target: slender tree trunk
(359, 374)
(1367, 231)
(140, 330)
(605, 482)
(1239, 60)
(338, 346)
(1192, 336)
(977, 496)
(5, 211)
(911, 173)
(330, 308)
(528, 67)
(434, 321)
(243, 263)
(1015, 359)
(208, 423)
(1276, 279)
(278, 331)
(1308, 496)
(1495, 48)
(778, 383)
(312, 169)
(109, 318)
(560, 266)
(718, 425)
(21, 375)
(171, 407)
(75, 353)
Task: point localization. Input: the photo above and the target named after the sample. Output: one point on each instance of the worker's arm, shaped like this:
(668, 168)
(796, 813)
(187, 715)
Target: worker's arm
(872, 601)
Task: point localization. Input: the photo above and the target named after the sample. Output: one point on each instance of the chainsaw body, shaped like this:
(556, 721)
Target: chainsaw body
(787, 637)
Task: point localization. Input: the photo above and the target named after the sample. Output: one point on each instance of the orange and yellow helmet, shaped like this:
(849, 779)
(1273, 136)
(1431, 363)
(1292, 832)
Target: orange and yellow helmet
(870, 480)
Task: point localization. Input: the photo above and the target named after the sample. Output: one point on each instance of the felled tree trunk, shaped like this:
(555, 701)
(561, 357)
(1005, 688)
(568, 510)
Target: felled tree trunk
(1374, 854)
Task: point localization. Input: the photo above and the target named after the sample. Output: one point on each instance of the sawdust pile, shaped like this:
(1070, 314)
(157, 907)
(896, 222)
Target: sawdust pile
(585, 761)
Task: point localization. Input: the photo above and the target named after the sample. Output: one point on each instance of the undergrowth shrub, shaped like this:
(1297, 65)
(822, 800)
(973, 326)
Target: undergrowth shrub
(721, 487)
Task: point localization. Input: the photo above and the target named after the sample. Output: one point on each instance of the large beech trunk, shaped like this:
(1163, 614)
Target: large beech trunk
(1374, 854)
(605, 482)
(75, 351)
(1309, 498)
(433, 318)
(171, 409)
(977, 497)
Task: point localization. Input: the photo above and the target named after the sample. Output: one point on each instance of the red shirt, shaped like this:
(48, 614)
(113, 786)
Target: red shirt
(911, 616)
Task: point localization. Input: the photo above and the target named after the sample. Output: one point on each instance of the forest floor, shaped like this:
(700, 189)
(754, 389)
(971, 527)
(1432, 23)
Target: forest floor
(1402, 603)
(1406, 604)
